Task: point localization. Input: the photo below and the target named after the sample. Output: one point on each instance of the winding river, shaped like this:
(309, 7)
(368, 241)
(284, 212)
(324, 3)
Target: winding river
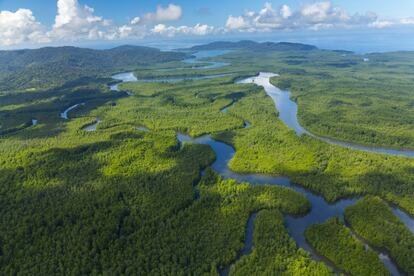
(320, 212)
(197, 58)
(130, 77)
(288, 111)
(64, 114)
(321, 209)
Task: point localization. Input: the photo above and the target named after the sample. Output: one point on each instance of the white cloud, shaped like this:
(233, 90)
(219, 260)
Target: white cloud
(130, 31)
(136, 20)
(407, 21)
(171, 31)
(285, 11)
(20, 27)
(236, 22)
(381, 24)
(125, 31)
(319, 11)
(76, 22)
(317, 15)
(138, 27)
(170, 13)
(202, 29)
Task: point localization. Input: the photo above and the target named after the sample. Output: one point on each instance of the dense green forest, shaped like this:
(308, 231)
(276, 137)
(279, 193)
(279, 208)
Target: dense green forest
(123, 202)
(336, 242)
(374, 221)
(339, 95)
(275, 252)
(366, 102)
(18, 110)
(333, 171)
(51, 67)
(120, 200)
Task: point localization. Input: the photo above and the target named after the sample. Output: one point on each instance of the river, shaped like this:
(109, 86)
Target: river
(65, 114)
(92, 127)
(288, 111)
(197, 58)
(320, 212)
(321, 209)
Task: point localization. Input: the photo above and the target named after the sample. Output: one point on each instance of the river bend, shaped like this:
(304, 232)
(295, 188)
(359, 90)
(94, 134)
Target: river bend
(321, 209)
(288, 111)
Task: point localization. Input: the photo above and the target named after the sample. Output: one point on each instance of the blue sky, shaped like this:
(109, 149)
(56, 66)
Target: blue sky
(195, 10)
(43, 22)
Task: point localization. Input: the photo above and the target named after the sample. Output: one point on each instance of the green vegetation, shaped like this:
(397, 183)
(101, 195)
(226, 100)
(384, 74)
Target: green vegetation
(339, 94)
(122, 201)
(373, 219)
(192, 107)
(50, 67)
(333, 171)
(255, 46)
(275, 252)
(336, 242)
(18, 109)
(364, 102)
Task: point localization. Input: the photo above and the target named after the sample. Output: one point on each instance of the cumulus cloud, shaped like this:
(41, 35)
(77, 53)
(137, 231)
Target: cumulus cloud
(170, 13)
(318, 15)
(129, 31)
(151, 24)
(74, 22)
(381, 24)
(140, 27)
(20, 27)
(285, 11)
(172, 31)
(136, 20)
(236, 22)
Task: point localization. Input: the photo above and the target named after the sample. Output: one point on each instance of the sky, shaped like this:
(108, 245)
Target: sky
(36, 23)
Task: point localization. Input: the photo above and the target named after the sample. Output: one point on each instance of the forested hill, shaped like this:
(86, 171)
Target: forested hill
(56, 65)
(252, 45)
